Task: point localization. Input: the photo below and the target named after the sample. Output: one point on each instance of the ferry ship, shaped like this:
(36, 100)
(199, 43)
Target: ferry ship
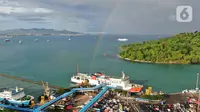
(15, 96)
(122, 39)
(99, 78)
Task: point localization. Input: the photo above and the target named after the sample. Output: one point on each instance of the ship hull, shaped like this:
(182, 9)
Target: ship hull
(17, 103)
(76, 81)
(1, 99)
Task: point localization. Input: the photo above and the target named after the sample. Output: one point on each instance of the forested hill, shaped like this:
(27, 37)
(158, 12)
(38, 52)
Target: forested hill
(183, 48)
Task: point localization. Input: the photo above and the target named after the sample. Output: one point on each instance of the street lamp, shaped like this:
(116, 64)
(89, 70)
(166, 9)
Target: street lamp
(197, 83)
(198, 89)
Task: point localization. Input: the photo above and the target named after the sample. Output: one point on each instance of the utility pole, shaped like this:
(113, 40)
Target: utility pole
(198, 89)
(198, 100)
(127, 97)
(197, 83)
(77, 69)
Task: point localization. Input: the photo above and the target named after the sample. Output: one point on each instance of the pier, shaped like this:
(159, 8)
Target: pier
(130, 102)
(29, 81)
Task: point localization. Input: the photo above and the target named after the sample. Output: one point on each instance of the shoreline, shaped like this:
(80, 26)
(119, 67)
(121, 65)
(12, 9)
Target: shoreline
(149, 62)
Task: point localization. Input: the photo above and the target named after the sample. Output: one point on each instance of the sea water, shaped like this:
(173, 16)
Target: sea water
(55, 62)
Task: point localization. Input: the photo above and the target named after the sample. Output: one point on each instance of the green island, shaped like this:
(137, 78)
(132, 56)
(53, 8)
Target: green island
(183, 48)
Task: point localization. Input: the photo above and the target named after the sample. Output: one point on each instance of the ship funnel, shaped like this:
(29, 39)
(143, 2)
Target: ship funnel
(16, 89)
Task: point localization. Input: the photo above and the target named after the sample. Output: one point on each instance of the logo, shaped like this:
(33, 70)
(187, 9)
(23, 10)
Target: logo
(184, 14)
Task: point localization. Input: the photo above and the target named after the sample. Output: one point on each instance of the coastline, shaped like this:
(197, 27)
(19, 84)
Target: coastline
(150, 62)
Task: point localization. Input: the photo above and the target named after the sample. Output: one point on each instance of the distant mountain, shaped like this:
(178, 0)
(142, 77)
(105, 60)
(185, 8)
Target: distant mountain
(36, 31)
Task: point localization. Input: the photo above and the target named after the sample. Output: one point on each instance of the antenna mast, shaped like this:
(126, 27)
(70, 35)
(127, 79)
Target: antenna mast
(77, 69)
(198, 90)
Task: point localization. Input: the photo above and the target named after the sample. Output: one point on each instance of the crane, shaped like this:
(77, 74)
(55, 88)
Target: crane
(46, 88)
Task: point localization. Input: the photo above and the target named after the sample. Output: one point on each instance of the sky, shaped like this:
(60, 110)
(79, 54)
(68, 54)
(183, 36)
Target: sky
(108, 16)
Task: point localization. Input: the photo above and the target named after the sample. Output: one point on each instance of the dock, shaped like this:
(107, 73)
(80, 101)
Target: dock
(29, 81)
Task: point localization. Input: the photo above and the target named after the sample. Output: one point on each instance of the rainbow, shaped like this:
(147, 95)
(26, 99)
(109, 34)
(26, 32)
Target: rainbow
(100, 35)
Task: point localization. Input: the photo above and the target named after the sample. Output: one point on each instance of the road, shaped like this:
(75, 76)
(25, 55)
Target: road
(131, 102)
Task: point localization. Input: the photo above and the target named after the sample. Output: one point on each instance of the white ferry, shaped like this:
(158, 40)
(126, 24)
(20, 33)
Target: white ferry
(15, 96)
(99, 78)
(122, 39)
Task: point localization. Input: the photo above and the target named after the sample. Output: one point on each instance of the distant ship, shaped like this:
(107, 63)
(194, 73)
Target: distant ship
(15, 96)
(122, 39)
(36, 40)
(7, 40)
(48, 40)
(69, 39)
(20, 42)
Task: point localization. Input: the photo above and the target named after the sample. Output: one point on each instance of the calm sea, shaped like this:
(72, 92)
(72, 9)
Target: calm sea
(55, 61)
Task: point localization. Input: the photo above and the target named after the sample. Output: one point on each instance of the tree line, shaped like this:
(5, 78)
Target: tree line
(183, 48)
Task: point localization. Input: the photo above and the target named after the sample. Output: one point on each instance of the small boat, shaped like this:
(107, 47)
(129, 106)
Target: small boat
(7, 40)
(99, 78)
(193, 91)
(48, 40)
(20, 42)
(36, 40)
(15, 96)
(69, 39)
(122, 39)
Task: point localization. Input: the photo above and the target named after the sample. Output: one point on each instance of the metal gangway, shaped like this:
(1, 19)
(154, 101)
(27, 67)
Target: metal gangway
(87, 106)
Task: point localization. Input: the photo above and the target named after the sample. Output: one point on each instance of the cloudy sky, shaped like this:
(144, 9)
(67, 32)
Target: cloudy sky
(111, 16)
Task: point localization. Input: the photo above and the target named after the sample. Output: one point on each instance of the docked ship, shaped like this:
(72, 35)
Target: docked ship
(122, 39)
(99, 78)
(15, 96)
